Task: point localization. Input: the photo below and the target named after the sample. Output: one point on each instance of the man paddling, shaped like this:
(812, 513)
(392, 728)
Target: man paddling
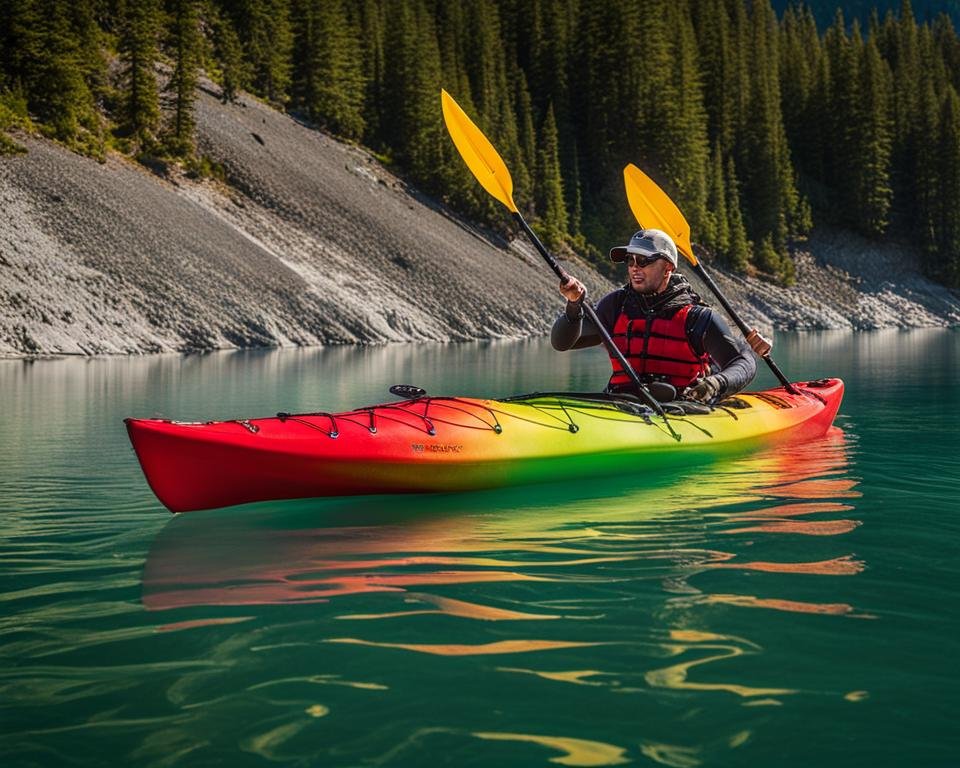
(664, 330)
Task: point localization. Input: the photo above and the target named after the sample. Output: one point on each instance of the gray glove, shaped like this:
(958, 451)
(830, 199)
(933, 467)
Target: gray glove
(706, 389)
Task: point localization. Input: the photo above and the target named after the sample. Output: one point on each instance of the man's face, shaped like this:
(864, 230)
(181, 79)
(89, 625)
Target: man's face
(651, 278)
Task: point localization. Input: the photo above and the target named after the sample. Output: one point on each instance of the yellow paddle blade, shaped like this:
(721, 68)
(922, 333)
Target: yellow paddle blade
(477, 152)
(653, 209)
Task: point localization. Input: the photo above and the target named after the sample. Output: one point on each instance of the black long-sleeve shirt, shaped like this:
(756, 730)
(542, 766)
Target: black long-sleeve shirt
(731, 360)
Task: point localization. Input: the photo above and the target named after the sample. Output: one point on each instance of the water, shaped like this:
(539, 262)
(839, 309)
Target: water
(790, 608)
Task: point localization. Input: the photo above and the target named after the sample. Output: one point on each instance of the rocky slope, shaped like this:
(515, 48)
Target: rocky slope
(845, 282)
(315, 242)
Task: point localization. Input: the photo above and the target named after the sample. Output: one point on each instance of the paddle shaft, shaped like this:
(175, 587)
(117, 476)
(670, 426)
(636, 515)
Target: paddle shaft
(591, 313)
(698, 268)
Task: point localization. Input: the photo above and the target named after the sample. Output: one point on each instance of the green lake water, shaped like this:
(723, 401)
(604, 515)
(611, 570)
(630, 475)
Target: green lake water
(794, 607)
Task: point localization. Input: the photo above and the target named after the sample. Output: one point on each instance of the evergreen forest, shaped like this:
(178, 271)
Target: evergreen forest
(757, 124)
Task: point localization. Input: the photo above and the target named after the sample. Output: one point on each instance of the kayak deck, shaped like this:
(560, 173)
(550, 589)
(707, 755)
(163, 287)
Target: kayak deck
(431, 444)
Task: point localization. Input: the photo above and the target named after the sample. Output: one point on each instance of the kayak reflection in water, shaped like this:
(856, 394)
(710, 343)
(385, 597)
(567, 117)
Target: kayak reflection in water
(662, 327)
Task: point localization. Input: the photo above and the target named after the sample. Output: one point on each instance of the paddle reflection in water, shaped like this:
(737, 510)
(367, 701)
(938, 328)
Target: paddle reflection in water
(629, 586)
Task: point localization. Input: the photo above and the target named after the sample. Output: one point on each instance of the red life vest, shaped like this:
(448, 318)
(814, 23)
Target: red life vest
(658, 351)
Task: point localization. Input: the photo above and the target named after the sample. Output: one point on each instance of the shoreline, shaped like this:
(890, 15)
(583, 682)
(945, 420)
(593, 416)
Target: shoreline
(55, 356)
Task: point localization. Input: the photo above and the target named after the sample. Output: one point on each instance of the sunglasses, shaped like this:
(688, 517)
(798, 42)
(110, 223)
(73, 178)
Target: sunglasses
(641, 260)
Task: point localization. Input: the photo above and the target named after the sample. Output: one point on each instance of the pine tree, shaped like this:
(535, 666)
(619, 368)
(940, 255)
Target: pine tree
(681, 138)
(606, 96)
(139, 30)
(526, 136)
(873, 192)
(264, 29)
(400, 51)
(59, 93)
(373, 61)
(716, 230)
(843, 54)
(550, 199)
(743, 62)
(816, 147)
(768, 178)
(804, 76)
(658, 90)
(416, 134)
(453, 180)
(948, 47)
(551, 44)
(185, 42)
(550, 55)
(718, 65)
(926, 177)
(21, 45)
(932, 63)
(52, 64)
(91, 53)
(948, 198)
(486, 68)
(738, 254)
(900, 47)
(328, 78)
(228, 54)
(453, 32)
(610, 103)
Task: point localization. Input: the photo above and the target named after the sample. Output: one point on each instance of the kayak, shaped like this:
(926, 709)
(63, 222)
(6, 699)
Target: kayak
(437, 444)
(441, 444)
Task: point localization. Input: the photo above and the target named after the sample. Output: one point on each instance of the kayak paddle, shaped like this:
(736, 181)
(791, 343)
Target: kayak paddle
(489, 169)
(653, 208)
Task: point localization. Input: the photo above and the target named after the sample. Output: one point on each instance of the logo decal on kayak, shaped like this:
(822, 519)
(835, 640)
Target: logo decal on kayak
(436, 448)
